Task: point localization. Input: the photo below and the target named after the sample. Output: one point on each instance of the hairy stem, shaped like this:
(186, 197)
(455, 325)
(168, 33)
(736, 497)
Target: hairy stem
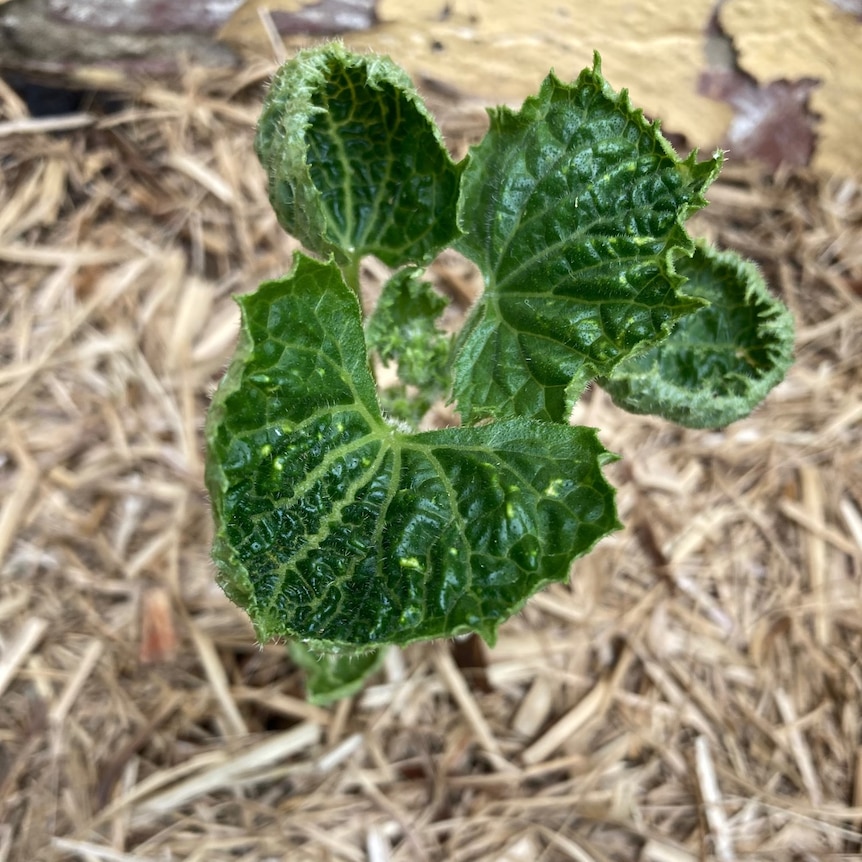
(350, 271)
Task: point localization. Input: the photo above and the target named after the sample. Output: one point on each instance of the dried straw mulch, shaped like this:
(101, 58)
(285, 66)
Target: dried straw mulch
(693, 694)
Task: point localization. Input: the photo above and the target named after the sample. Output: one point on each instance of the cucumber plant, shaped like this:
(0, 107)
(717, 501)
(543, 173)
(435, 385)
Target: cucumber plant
(341, 528)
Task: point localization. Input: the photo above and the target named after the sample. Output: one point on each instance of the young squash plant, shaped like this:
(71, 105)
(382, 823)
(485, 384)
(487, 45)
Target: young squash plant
(342, 529)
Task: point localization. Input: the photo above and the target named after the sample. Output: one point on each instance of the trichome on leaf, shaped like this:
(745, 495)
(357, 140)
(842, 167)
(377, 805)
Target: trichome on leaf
(345, 531)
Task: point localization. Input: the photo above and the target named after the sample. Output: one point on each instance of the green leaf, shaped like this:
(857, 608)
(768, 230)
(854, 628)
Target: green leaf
(573, 208)
(403, 329)
(337, 529)
(355, 162)
(333, 675)
(720, 362)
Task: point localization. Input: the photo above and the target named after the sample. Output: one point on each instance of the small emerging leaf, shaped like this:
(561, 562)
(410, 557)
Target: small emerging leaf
(355, 162)
(333, 675)
(403, 329)
(334, 528)
(573, 209)
(720, 362)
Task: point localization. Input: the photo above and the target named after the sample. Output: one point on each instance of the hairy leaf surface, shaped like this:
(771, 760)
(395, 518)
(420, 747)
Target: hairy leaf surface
(356, 164)
(721, 361)
(337, 529)
(404, 329)
(573, 208)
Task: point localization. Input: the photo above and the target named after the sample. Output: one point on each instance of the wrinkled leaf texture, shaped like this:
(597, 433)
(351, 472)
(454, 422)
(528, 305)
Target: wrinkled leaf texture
(721, 361)
(355, 163)
(573, 208)
(403, 329)
(338, 529)
(343, 533)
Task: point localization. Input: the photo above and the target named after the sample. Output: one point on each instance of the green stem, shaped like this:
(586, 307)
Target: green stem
(351, 271)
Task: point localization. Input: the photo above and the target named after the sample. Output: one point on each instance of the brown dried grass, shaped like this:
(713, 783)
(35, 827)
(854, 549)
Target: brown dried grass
(693, 694)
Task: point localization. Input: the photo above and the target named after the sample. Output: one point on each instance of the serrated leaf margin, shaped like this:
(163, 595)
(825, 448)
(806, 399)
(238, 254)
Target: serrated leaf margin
(637, 385)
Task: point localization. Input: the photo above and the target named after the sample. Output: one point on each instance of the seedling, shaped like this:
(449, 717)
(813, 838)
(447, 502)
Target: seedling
(338, 526)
